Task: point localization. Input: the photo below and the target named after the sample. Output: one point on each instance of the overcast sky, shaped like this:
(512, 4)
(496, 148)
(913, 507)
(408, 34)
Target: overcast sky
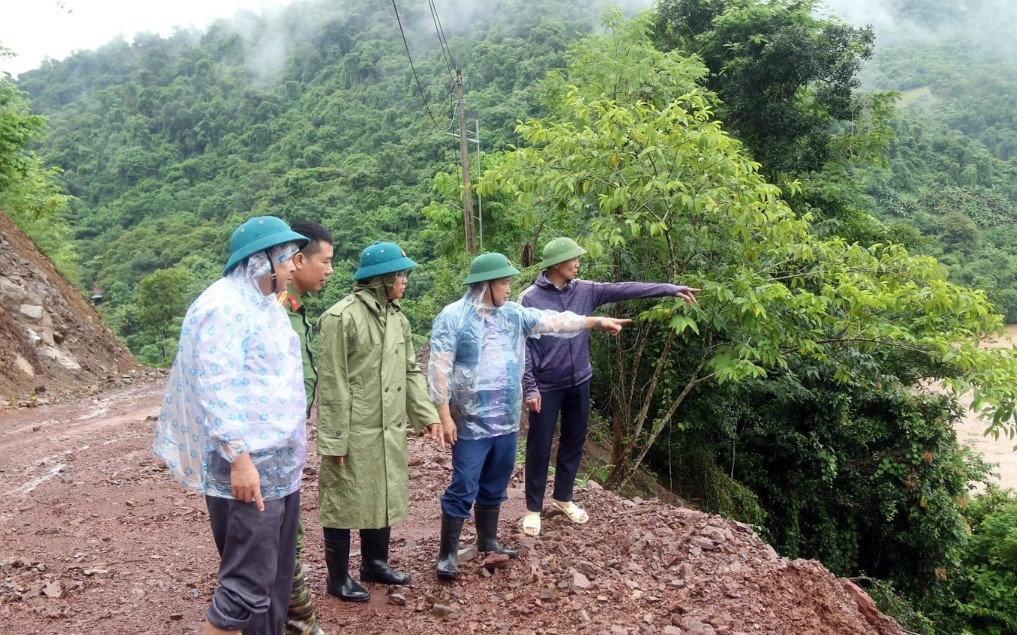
(39, 29)
(36, 29)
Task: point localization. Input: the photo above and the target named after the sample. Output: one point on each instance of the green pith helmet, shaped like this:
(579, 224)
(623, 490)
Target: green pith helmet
(490, 266)
(381, 258)
(258, 234)
(560, 250)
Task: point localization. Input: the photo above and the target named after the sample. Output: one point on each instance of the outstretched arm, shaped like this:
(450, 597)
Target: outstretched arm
(608, 324)
(568, 324)
(608, 292)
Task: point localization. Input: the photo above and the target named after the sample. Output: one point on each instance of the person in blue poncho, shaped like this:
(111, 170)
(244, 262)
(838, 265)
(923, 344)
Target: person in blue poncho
(232, 426)
(475, 376)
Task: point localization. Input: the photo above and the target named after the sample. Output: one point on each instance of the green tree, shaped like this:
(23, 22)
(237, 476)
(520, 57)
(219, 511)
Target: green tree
(660, 191)
(29, 193)
(774, 290)
(669, 182)
(161, 302)
(782, 74)
(959, 231)
(18, 129)
(985, 586)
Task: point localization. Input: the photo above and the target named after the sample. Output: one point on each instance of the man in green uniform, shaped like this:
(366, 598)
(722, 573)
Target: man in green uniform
(312, 267)
(369, 385)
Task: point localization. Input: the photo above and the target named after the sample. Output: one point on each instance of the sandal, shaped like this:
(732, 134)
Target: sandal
(531, 524)
(573, 512)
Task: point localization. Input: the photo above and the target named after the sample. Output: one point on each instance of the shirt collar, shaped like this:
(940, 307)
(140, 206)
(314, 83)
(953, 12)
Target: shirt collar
(289, 298)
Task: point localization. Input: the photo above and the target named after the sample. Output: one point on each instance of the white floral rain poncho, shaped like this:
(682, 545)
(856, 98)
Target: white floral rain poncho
(477, 360)
(236, 386)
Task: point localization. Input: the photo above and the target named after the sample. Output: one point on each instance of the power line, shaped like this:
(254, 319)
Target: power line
(412, 68)
(459, 104)
(446, 52)
(417, 139)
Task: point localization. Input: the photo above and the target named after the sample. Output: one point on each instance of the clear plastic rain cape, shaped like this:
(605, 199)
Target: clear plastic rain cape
(236, 386)
(478, 356)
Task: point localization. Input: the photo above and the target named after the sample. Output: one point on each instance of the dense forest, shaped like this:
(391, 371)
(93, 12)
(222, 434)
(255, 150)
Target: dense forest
(847, 207)
(953, 159)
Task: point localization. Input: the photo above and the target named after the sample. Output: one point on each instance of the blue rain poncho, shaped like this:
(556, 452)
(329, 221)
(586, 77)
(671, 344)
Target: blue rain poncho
(236, 386)
(477, 360)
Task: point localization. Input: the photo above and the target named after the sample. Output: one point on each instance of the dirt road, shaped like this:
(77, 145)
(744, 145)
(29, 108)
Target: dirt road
(38, 444)
(96, 538)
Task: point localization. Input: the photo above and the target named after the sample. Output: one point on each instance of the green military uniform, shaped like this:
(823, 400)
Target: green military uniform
(300, 618)
(369, 384)
(291, 301)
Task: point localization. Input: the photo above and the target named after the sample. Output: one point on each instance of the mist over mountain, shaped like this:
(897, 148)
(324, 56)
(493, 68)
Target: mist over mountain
(956, 63)
(976, 34)
(952, 168)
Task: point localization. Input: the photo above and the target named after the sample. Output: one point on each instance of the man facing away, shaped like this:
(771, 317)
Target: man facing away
(232, 426)
(312, 267)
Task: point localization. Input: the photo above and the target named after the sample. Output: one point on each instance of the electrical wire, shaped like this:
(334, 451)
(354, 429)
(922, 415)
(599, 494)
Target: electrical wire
(412, 67)
(418, 138)
(446, 52)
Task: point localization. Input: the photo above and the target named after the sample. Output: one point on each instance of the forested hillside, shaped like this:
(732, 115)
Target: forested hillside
(315, 113)
(953, 162)
(726, 144)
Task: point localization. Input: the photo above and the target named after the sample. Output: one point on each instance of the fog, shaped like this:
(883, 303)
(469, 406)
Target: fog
(272, 43)
(986, 26)
(36, 30)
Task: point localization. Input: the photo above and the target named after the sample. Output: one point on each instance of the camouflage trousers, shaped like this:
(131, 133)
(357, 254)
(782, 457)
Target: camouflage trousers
(300, 619)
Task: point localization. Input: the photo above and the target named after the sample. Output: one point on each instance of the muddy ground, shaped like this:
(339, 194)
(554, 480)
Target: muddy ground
(96, 537)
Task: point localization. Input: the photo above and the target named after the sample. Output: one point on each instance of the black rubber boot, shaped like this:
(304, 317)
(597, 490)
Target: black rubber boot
(448, 553)
(374, 565)
(339, 583)
(486, 520)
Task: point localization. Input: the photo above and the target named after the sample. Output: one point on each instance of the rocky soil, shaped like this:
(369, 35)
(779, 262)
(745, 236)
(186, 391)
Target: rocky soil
(53, 343)
(98, 538)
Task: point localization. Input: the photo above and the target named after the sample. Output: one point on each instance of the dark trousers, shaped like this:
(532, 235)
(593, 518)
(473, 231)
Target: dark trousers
(481, 469)
(574, 406)
(257, 551)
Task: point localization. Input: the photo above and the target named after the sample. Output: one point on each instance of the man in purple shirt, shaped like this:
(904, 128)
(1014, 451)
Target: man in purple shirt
(558, 372)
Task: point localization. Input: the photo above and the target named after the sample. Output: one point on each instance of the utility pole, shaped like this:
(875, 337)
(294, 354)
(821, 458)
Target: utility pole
(464, 161)
(480, 199)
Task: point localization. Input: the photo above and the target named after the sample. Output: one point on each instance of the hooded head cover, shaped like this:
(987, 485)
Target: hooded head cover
(381, 258)
(559, 250)
(257, 235)
(490, 266)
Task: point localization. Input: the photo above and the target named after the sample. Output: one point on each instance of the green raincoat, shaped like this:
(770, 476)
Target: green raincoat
(368, 385)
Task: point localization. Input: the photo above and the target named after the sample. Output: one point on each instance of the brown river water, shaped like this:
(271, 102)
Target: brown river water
(971, 429)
